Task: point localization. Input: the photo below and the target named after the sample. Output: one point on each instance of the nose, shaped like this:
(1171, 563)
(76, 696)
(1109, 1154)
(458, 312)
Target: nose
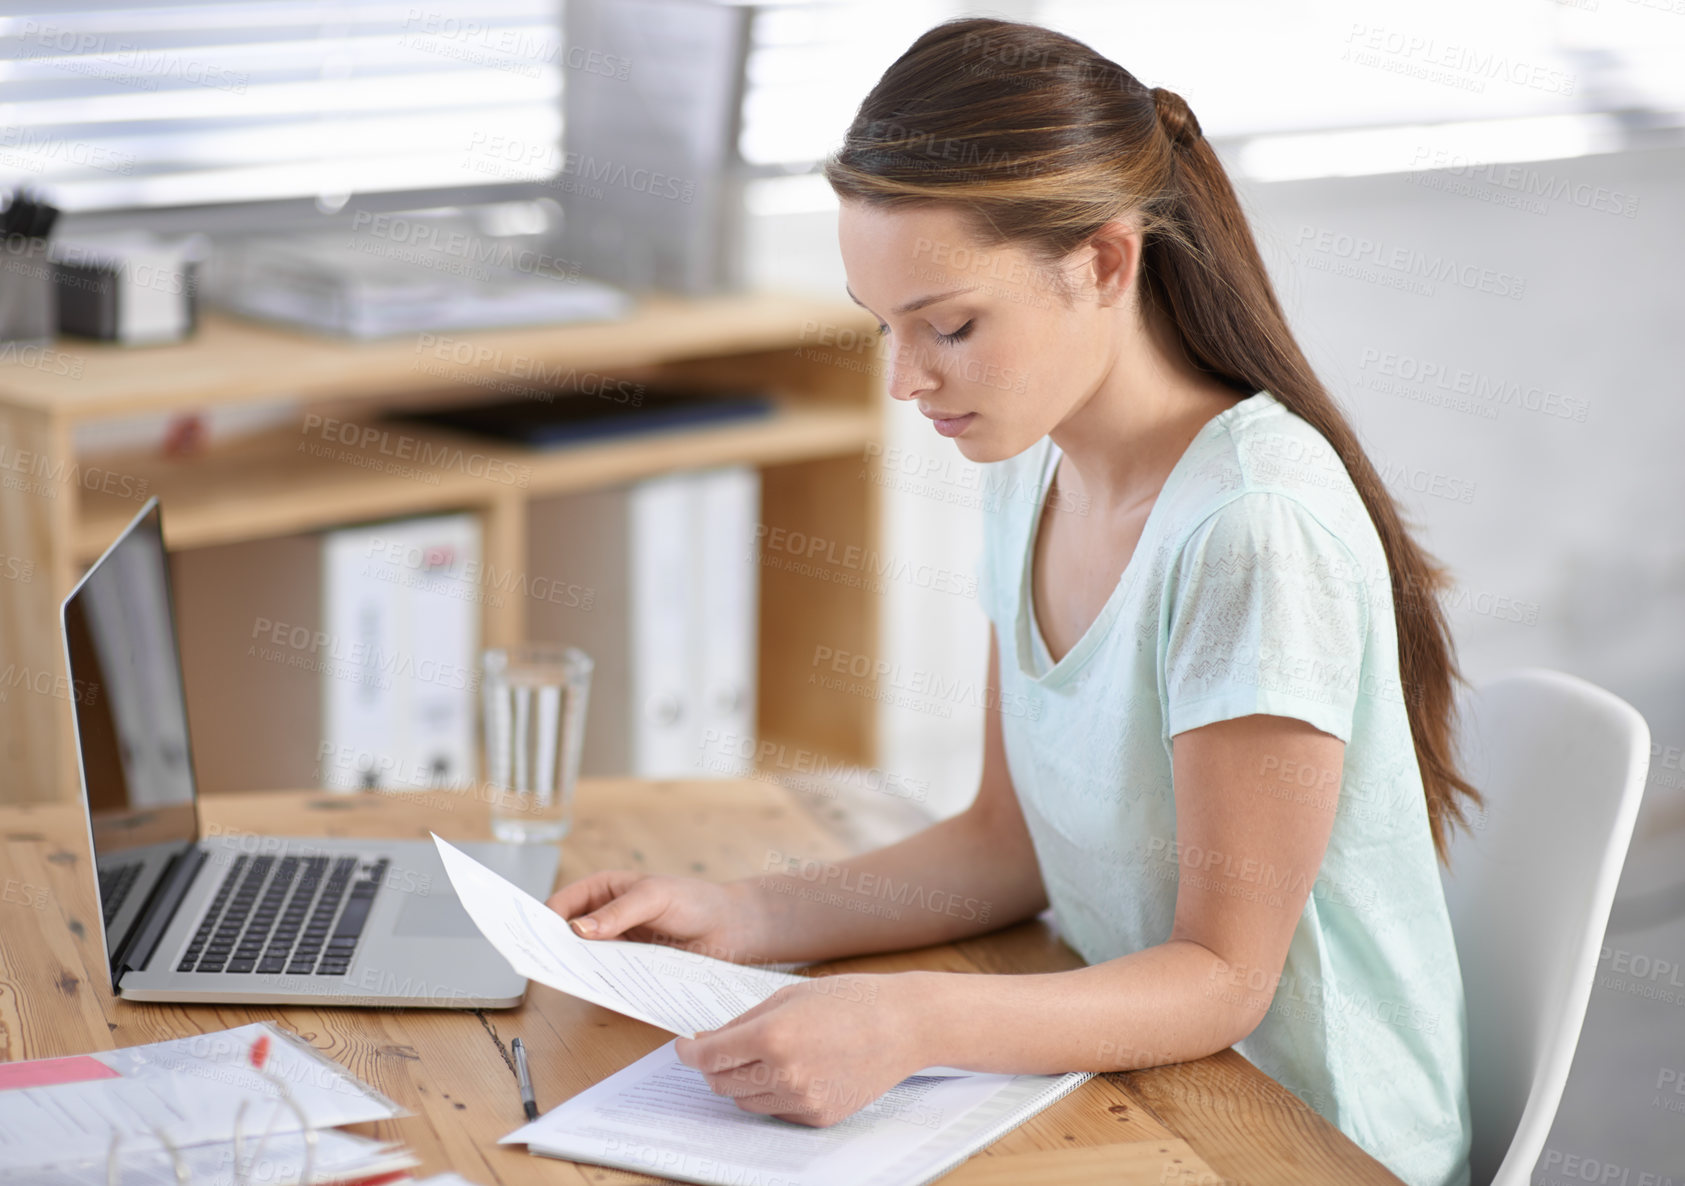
(910, 376)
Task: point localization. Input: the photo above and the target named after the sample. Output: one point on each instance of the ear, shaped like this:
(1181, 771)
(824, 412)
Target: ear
(1116, 261)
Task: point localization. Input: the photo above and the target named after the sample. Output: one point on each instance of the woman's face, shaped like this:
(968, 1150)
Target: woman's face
(999, 358)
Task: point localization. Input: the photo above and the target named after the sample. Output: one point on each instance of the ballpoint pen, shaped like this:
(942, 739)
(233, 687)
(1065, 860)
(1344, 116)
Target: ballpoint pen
(529, 1102)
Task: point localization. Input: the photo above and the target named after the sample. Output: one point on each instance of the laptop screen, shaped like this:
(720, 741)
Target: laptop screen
(131, 721)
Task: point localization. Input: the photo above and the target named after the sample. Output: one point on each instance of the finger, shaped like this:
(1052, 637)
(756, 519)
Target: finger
(588, 893)
(811, 1119)
(754, 1012)
(782, 1105)
(642, 902)
(748, 1079)
(714, 1051)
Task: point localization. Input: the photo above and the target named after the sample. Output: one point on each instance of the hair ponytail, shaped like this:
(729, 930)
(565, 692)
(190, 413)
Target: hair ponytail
(1044, 141)
(1175, 117)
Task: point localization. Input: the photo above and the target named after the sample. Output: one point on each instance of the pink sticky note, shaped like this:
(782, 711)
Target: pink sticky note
(47, 1072)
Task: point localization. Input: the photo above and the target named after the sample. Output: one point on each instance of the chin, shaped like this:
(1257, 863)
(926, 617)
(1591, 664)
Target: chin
(982, 448)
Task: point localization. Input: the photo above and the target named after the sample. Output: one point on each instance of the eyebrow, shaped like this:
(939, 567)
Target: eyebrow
(914, 306)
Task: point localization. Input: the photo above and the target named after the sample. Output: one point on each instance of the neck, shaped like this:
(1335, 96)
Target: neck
(1121, 443)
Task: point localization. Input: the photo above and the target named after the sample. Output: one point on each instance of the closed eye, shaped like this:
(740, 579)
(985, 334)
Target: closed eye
(958, 334)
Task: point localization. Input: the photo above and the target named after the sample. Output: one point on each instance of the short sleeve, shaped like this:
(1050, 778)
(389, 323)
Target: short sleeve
(1266, 613)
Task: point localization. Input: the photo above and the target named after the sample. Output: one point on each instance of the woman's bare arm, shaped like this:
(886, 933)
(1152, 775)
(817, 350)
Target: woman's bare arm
(819, 1050)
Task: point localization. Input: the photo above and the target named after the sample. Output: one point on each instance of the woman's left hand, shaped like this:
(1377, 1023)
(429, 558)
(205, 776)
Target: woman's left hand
(815, 1052)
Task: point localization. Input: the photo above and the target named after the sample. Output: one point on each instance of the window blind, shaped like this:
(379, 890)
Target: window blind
(809, 65)
(119, 105)
(1252, 69)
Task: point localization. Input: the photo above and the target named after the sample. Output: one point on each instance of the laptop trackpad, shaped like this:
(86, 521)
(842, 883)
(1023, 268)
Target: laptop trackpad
(436, 916)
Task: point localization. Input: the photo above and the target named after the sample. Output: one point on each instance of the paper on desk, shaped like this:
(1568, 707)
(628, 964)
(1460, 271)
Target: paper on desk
(189, 1088)
(659, 1116)
(279, 1158)
(682, 992)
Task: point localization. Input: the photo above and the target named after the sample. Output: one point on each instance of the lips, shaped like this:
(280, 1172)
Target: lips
(951, 425)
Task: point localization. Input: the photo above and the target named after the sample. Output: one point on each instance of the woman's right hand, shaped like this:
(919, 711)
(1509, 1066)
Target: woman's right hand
(723, 921)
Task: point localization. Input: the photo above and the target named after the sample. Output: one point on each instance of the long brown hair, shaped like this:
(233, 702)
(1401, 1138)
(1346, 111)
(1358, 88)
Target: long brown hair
(1041, 141)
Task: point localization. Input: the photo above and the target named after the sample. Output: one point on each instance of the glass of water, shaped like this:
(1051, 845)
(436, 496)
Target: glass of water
(534, 729)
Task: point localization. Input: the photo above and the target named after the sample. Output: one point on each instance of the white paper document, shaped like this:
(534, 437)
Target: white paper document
(679, 991)
(277, 1160)
(658, 1116)
(53, 1111)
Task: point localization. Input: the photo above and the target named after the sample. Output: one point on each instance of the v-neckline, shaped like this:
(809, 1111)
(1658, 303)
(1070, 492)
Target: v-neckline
(1101, 625)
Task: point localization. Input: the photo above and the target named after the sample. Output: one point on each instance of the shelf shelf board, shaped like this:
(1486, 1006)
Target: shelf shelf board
(301, 479)
(229, 361)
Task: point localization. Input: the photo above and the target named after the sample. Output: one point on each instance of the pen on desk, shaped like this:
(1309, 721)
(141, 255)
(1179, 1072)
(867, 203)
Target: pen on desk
(529, 1102)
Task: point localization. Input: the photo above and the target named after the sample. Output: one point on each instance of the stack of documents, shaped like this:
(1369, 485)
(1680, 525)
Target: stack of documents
(365, 287)
(61, 1118)
(659, 1116)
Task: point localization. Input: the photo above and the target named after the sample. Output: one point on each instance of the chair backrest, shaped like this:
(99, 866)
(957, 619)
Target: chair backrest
(1561, 764)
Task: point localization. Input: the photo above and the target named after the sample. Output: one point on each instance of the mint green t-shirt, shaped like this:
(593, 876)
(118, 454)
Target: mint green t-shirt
(1259, 585)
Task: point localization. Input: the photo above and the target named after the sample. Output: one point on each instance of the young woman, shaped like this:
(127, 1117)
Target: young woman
(1219, 746)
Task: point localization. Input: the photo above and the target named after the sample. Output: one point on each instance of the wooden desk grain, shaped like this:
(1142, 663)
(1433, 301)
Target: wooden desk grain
(1208, 1123)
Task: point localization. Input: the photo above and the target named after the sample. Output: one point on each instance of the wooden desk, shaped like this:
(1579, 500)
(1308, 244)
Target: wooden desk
(1207, 1123)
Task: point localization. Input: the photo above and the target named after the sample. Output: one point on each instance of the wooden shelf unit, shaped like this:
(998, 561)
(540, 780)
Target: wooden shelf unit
(339, 464)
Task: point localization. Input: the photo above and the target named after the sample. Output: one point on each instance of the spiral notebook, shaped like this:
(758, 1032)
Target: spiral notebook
(658, 1116)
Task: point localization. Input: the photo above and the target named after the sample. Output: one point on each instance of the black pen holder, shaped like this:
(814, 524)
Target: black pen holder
(28, 300)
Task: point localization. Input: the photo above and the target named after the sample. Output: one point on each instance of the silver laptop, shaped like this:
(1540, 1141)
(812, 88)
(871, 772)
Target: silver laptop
(246, 919)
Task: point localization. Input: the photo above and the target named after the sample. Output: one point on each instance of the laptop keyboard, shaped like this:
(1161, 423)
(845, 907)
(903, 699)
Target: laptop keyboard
(114, 886)
(299, 915)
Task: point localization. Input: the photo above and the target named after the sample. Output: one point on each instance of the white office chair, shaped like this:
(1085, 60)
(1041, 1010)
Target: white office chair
(1562, 765)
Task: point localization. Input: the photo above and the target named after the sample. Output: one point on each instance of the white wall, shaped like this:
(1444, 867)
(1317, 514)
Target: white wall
(1584, 519)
